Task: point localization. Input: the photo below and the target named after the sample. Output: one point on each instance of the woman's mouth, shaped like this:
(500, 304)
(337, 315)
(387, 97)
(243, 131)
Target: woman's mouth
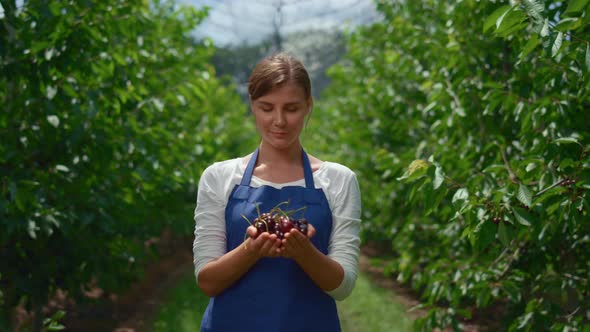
(278, 134)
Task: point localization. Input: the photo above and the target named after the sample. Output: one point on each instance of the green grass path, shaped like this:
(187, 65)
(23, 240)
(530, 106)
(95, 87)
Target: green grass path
(369, 308)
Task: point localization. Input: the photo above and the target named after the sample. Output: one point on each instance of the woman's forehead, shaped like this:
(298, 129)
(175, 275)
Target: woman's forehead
(285, 93)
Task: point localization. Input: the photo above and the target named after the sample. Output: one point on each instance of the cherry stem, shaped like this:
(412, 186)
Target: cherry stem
(243, 216)
(290, 212)
(265, 223)
(276, 208)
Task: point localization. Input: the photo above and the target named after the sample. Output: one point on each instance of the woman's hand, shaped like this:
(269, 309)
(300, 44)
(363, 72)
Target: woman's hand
(263, 245)
(296, 244)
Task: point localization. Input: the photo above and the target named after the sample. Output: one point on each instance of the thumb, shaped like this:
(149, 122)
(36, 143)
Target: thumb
(252, 232)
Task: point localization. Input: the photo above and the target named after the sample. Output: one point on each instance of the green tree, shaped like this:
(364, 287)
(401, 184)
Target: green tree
(110, 112)
(467, 123)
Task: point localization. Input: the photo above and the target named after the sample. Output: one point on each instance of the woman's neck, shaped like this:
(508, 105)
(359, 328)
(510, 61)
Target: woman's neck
(270, 155)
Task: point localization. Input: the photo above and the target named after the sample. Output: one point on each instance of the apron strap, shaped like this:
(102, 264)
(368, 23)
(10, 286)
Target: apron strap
(249, 169)
(252, 162)
(307, 172)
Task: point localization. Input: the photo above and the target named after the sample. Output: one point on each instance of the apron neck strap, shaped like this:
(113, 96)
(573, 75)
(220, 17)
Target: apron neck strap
(306, 170)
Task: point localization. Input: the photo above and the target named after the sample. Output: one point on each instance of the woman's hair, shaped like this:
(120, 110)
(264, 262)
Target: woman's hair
(275, 70)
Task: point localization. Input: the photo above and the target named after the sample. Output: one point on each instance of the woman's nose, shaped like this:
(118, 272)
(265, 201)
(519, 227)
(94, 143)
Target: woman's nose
(280, 118)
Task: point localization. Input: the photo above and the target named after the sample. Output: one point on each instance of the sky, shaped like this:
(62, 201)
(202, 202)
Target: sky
(238, 21)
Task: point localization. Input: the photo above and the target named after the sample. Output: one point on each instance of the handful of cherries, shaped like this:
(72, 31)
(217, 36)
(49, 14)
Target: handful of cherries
(278, 222)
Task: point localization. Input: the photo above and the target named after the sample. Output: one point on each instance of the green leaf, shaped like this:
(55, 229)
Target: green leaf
(522, 216)
(557, 44)
(524, 195)
(439, 177)
(545, 30)
(55, 7)
(534, 8)
(487, 234)
(566, 163)
(434, 200)
(512, 290)
(503, 234)
(533, 42)
(32, 228)
(576, 6)
(55, 327)
(460, 195)
(495, 16)
(415, 170)
(510, 22)
(568, 23)
(588, 56)
(566, 140)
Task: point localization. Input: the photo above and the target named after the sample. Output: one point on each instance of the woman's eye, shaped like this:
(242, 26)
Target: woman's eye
(292, 110)
(266, 109)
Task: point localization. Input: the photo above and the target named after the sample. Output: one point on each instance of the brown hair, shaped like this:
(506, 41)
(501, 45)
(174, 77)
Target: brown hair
(276, 70)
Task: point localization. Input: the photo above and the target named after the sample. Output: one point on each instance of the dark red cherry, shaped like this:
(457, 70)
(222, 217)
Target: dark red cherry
(260, 227)
(286, 225)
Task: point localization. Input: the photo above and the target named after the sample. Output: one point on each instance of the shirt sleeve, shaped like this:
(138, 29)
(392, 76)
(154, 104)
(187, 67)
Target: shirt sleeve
(210, 234)
(345, 241)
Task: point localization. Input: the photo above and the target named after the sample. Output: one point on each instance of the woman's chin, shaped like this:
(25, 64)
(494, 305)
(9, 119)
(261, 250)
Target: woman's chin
(281, 144)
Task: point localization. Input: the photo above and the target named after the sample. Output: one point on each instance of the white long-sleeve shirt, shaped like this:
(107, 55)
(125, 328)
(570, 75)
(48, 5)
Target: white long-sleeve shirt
(339, 184)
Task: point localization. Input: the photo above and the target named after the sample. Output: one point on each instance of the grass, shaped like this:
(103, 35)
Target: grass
(182, 308)
(372, 308)
(368, 308)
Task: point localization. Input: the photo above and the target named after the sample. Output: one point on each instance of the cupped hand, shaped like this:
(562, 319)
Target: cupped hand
(262, 245)
(296, 244)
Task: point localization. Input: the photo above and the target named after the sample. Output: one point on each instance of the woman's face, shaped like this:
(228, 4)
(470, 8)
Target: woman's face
(280, 115)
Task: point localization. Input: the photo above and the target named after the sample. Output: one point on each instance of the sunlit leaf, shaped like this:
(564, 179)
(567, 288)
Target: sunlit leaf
(522, 216)
(524, 195)
(439, 177)
(495, 16)
(566, 140)
(460, 195)
(557, 44)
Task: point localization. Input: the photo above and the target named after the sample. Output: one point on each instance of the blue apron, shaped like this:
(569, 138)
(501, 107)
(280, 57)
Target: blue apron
(275, 294)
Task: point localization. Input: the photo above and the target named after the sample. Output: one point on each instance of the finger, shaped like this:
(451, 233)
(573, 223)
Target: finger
(266, 246)
(258, 242)
(310, 230)
(275, 244)
(296, 236)
(291, 243)
(276, 248)
(285, 244)
(251, 231)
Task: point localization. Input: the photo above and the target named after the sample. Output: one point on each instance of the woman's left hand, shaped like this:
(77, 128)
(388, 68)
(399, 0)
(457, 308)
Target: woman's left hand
(296, 244)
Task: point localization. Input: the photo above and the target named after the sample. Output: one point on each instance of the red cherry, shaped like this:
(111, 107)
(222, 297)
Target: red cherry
(286, 225)
(260, 227)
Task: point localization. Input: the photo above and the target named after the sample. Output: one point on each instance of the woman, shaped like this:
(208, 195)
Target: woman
(263, 283)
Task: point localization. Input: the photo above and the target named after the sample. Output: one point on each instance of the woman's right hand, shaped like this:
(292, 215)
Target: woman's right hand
(263, 245)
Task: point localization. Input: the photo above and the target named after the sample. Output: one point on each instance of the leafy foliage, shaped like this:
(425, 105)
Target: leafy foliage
(467, 123)
(110, 113)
